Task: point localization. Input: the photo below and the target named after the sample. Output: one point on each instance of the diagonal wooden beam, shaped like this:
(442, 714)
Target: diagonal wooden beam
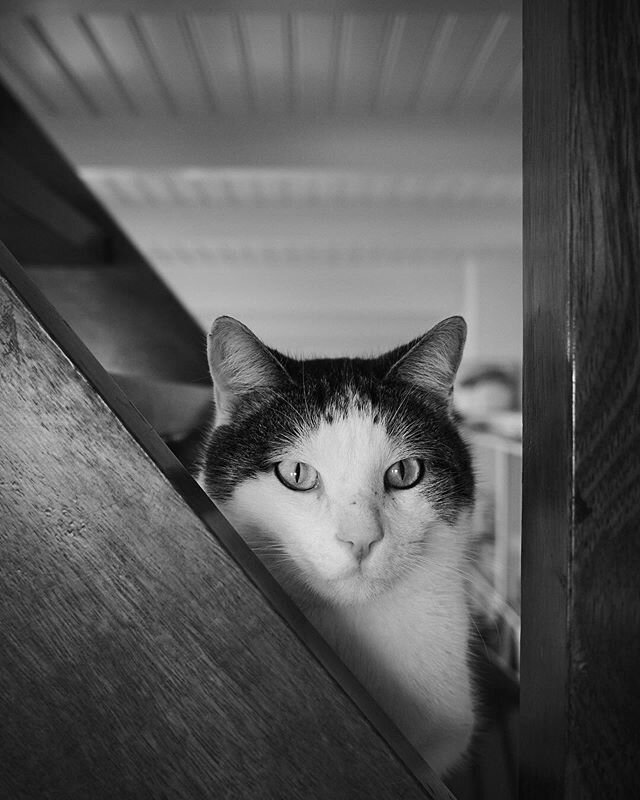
(144, 650)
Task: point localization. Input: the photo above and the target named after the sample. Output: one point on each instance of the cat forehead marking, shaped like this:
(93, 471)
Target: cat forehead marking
(348, 446)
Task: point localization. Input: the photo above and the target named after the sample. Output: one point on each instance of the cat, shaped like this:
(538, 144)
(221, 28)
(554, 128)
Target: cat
(349, 479)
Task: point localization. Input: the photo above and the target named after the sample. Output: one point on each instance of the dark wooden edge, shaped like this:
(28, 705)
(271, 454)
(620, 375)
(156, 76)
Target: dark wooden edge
(548, 423)
(200, 503)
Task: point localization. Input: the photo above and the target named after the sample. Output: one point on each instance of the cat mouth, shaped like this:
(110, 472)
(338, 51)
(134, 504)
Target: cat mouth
(359, 570)
(350, 572)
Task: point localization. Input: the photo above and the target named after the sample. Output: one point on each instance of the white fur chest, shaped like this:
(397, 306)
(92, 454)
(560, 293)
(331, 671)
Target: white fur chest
(409, 649)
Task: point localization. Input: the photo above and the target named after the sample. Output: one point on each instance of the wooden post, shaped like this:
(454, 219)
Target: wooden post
(580, 695)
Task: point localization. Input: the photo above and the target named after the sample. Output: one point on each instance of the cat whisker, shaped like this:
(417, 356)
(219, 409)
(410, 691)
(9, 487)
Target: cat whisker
(444, 569)
(304, 391)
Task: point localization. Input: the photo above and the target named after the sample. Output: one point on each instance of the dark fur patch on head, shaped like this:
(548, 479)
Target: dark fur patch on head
(266, 421)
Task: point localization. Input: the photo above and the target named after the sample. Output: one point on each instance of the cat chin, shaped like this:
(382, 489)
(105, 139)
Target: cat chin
(353, 589)
(310, 591)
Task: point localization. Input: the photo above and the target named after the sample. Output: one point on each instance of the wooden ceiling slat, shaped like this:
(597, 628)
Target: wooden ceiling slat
(266, 54)
(216, 42)
(393, 36)
(86, 63)
(314, 61)
(144, 44)
(359, 75)
(456, 60)
(194, 46)
(109, 68)
(482, 57)
(35, 97)
(175, 62)
(403, 82)
(22, 44)
(340, 32)
(501, 82)
(240, 38)
(184, 62)
(118, 40)
(63, 54)
(432, 61)
(291, 40)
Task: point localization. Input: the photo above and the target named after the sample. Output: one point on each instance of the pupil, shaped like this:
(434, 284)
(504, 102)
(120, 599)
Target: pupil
(297, 472)
(401, 470)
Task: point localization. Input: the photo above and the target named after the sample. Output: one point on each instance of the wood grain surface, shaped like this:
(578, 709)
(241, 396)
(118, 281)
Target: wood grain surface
(137, 657)
(604, 691)
(580, 694)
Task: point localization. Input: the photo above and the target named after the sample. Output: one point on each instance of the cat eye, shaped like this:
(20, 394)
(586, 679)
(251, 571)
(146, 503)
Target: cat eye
(296, 475)
(404, 474)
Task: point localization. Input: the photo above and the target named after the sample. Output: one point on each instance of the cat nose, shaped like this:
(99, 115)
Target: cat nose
(361, 540)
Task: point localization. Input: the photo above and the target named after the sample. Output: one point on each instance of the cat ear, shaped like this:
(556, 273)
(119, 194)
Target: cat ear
(239, 362)
(431, 362)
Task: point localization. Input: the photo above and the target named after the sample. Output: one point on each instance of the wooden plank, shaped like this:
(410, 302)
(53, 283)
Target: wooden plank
(604, 693)
(142, 654)
(580, 697)
(128, 318)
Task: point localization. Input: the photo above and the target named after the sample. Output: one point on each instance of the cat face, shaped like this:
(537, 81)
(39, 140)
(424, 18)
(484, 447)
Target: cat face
(342, 475)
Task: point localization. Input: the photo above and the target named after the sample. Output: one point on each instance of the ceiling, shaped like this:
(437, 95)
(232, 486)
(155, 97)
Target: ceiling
(337, 175)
